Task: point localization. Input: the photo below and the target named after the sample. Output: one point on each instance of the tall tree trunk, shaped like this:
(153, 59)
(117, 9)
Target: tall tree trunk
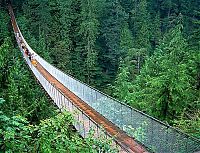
(166, 104)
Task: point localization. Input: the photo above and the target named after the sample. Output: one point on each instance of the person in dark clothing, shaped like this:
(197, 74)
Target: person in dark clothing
(26, 51)
(29, 56)
(23, 46)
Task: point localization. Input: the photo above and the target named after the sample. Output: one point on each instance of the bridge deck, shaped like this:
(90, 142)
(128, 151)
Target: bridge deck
(114, 131)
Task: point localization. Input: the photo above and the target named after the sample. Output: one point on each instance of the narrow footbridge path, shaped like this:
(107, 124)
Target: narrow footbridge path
(131, 131)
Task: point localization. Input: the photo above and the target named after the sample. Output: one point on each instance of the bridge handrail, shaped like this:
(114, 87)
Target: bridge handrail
(43, 81)
(72, 82)
(99, 131)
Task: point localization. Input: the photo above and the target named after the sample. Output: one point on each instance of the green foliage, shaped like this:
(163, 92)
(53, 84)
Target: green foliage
(139, 19)
(4, 50)
(164, 84)
(3, 26)
(122, 84)
(21, 90)
(61, 40)
(138, 133)
(14, 132)
(55, 135)
(88, 30)
(112, 19)
(51, 135)
(156, 34)
(189, 123)
(140, 27)
(126, 40)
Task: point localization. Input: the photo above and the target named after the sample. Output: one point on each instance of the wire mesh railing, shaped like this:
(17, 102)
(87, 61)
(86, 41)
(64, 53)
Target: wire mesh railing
(83, 123)
(150, 132)
(147, 130)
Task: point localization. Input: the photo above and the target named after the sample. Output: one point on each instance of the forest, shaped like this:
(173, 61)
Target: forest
(144, 53)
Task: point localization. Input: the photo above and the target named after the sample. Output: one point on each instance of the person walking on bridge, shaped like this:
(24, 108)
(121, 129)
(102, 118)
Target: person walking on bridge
(26, 52)
(29, 55)
(17, 35)
(33, 60)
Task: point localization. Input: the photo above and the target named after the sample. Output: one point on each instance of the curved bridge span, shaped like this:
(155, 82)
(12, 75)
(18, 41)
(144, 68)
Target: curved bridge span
(131, 130)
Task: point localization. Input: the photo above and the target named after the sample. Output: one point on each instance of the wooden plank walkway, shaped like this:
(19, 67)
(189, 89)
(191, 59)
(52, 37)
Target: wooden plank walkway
(113, 130)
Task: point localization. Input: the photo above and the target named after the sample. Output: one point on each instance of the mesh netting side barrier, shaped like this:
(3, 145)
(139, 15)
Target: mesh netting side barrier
(154, 134)
(150, 132)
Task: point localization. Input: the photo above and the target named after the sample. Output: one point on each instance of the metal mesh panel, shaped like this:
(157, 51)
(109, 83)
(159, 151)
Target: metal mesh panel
(152, 133)
(86, 122)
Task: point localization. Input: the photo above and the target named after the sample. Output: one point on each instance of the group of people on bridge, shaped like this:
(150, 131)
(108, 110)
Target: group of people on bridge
(30, 55)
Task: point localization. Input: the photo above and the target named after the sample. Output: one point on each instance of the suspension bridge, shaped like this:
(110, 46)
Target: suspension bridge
(129, 129)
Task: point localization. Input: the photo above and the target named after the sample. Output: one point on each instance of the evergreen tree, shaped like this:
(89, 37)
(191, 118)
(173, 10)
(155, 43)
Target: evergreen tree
(62, 49)
(169, 10)
(141, 31)
(77, 58)
(164, 84)
(156, 34)
(126, 40)
(122, 83)
(88, 32)
(112, 20)
(194, 38)
(140, 19)
(4, 64)
(3, 26)
(42, 47)
(127, 5)
(40, 17)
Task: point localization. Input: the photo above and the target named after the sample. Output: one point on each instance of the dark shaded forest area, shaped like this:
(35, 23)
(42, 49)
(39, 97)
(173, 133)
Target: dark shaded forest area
(145, 53)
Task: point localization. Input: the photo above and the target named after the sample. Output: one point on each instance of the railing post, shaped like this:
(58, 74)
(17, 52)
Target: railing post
(83, 125)
(121, 125)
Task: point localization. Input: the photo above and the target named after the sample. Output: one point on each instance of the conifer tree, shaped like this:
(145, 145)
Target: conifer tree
(112, 19)
(89, 28)
(3, 31)
(156, 34)
(122, 83)
(126, 40)
(164, 84)
(63, 47)
(4, 64)
(169, 10)
(77, 58)
(141, 31)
